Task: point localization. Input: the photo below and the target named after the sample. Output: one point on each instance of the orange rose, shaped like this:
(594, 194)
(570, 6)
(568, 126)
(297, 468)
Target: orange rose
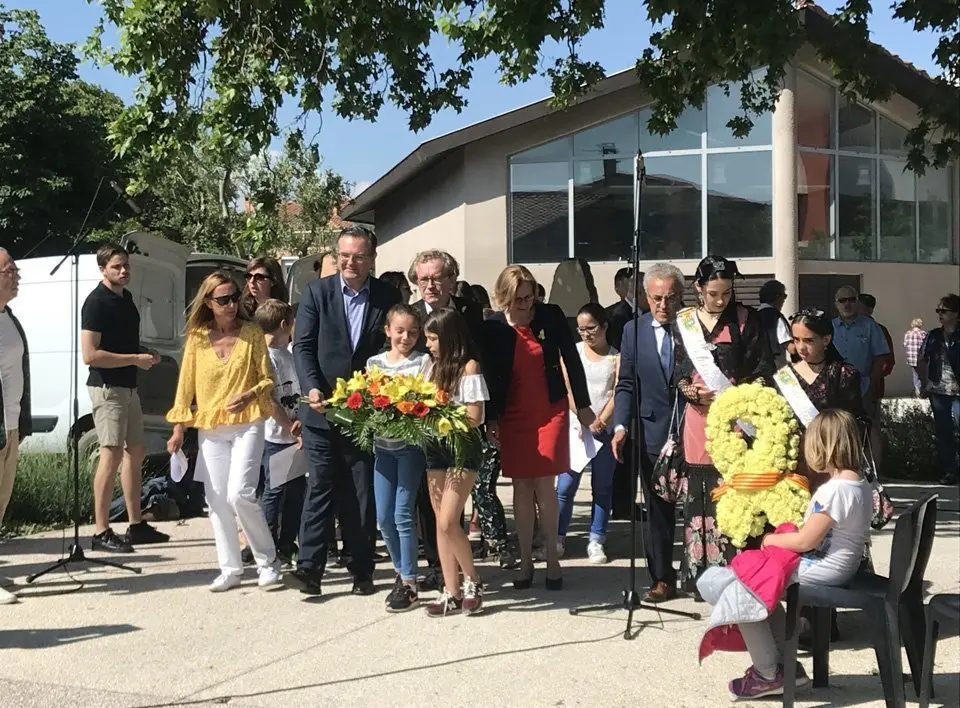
(406, 407)
(442, 397)
(374, 388)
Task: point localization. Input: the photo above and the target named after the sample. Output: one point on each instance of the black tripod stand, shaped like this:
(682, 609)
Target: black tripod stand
(76, 554)
(631, 598)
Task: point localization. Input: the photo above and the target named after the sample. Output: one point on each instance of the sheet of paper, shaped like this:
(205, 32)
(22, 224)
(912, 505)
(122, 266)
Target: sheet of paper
(581, 451)
(178, 465)
(287, 464)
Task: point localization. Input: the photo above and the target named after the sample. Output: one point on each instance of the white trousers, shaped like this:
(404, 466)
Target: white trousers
(229, 465)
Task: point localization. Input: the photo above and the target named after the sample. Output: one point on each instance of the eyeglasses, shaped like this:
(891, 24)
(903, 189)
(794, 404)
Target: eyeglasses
(672, 297)
(225, 300)
(943, 310)
(588, 330)
(258, 277)
(845, 300)
(426, 282)
(353, 257)
(11, 272)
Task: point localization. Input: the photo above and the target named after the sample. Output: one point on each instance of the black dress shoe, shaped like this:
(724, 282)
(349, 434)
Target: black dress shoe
(523, 582)
(554, 583)
(305, 581)
(363, 587)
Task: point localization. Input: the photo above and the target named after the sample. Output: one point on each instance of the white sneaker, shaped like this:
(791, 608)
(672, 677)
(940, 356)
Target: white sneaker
(8, 598)
(595, 553)
(561, 547)
(269, 577)
(225, 582)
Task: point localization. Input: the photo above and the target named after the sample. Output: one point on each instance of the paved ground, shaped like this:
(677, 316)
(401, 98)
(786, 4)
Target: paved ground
(160, 639)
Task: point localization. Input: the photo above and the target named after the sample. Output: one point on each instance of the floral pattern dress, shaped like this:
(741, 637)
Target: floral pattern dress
(741, 352)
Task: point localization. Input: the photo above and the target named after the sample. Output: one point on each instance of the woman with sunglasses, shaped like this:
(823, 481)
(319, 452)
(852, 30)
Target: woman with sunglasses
(224, 391)
(719, 343)
(939, 368)
(264, 281)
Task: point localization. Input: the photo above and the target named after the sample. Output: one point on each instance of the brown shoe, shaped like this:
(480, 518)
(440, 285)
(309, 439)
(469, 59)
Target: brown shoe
(660, 592)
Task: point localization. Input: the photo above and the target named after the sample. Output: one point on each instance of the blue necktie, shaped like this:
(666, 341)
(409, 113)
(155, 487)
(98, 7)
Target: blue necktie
(666, 354)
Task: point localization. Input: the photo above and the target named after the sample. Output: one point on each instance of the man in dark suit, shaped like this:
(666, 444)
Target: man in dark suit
(435, 274)
(646, 367)
(340, 324)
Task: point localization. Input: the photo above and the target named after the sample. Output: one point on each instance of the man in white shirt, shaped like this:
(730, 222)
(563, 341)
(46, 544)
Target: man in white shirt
(15, 420)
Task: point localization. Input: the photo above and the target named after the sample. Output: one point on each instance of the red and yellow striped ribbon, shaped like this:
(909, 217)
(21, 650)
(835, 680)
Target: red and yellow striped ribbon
(743, 482)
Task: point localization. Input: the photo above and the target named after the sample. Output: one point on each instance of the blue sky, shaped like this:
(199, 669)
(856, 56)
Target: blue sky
(363, 151)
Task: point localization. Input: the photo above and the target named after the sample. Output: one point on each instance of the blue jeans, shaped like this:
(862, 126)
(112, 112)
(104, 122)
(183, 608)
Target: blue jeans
(282, 507)
(946, 423)
(396, 480)
(601, 482)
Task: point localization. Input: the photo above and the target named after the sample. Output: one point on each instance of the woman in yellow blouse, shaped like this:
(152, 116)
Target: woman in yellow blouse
(226, 373)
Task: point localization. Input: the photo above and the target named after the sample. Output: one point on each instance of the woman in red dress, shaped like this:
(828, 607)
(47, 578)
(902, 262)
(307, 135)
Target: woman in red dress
(524, 344)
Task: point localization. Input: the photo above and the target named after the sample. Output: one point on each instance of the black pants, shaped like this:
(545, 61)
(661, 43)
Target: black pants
(428, 525)
(340, 483)
(661, 523)
(623, 485)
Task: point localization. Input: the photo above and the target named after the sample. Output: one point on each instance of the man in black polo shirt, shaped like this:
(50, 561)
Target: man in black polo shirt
(110, 341)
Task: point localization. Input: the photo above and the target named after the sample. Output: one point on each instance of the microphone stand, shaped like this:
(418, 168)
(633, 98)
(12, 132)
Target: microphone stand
(76, 554)
(631, 598)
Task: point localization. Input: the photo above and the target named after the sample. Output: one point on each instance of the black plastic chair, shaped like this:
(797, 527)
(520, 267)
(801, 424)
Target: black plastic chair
(942, 608)
(894, 605)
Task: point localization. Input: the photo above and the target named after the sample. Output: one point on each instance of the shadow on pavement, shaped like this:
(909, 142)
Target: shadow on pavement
(46, 638)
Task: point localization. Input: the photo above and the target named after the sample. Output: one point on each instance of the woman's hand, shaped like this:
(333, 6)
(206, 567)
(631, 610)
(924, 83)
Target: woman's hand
(586, 417)
(493, 433)
(296, 428)
(176, 440)
(239, 402)
(705, 394)
(598, 426)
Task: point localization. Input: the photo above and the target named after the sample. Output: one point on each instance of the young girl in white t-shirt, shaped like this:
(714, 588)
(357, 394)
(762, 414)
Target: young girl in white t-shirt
(831, 542)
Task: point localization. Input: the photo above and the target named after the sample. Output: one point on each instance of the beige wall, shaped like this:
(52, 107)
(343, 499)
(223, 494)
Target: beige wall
(427, 212)
(903, 291)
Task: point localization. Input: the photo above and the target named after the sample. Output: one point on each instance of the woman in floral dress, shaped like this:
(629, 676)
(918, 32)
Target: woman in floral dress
(733, 336)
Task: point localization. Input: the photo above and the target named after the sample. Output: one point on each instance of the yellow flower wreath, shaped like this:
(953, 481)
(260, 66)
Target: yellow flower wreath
(758, 485)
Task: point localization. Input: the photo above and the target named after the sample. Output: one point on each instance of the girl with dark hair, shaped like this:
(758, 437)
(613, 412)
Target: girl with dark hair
(454, 369)
(264, 281)
(600, 363)
(938, 365)
(719, 343)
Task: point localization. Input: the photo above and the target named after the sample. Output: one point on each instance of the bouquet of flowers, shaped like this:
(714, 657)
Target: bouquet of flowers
(373, 404)
(759, 485)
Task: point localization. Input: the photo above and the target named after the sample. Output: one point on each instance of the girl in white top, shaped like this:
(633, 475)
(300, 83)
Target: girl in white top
(454, 369)
(831, 541)
(600, 363)
(397, 466)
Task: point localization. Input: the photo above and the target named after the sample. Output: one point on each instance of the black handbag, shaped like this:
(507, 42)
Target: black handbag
(882, 503)
(669, 472)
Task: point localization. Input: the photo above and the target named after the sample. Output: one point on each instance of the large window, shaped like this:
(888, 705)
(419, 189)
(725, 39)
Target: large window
(706, 190)
(856, 198)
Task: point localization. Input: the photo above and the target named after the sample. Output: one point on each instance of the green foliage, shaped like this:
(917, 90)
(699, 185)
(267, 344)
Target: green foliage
(910, 447)
(223, 68)
(54, 146)
(43, 493)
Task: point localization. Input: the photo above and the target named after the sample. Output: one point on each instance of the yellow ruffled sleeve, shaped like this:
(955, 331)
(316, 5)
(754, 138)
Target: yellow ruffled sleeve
(182, 411)
(263, 388)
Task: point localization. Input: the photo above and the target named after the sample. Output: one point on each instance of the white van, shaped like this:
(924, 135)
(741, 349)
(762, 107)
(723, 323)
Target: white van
(163, 277)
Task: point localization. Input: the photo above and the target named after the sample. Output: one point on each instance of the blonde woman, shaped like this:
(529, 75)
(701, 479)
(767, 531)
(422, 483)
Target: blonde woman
(225, 392)
(524, 345)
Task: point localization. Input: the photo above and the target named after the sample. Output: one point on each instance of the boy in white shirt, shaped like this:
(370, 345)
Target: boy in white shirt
(282, 506)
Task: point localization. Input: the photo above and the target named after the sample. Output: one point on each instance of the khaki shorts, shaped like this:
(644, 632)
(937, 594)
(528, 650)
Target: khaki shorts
(117, 416)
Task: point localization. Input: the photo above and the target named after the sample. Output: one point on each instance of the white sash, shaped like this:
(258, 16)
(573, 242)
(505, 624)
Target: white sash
(791, 389)
(701, 355)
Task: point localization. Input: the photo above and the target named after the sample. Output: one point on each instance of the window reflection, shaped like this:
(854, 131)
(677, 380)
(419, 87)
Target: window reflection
(857, 127)
(897, 212)
(615, 137)
(603, 209)
(892, 137)
(813, 204)
(672, 218)
(855, 208)
(555, 151)
(722, 105)
(740, 204)
(814, 111)
(538, 212)
(687, 136)
(933, 194)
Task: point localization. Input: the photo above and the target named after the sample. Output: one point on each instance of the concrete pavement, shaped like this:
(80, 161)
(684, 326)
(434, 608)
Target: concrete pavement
(161, 639)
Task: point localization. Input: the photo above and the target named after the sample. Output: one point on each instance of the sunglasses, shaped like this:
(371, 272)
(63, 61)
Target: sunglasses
(225, 300)
(943, 310)
(258, 277)
(846, 300)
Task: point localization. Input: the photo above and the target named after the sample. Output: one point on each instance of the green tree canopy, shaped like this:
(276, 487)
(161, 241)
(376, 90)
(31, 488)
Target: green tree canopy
(54, 147)
(239, 61)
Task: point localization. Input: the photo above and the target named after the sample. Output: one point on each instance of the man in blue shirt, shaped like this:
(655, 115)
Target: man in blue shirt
(862, 344)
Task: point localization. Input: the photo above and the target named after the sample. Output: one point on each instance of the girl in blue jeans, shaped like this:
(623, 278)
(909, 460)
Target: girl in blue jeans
(600, 363)
(398, 467)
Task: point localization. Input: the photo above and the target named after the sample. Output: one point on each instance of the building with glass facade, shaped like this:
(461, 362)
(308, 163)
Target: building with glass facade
(818, 195)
